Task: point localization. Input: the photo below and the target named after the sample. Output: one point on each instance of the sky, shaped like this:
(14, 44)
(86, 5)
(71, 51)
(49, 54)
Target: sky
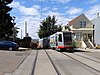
(35, 11)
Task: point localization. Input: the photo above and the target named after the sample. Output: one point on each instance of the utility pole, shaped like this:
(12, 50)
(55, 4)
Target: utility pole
(25, 28)
(14, 28)
(21, 33)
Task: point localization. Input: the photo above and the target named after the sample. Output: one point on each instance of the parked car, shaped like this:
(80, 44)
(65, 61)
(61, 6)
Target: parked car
(8, 45)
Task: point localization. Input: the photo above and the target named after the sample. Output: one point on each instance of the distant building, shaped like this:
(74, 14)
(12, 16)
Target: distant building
(83, 29)
(27, 41)
(96, 22)
(35, 40)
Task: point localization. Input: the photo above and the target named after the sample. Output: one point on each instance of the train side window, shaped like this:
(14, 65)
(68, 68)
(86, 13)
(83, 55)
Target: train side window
(60, 38)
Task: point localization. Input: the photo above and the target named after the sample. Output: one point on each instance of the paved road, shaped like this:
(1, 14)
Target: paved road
(69, 66)
(43, 65)
(49, 62)
(93, 54)
(10, 60)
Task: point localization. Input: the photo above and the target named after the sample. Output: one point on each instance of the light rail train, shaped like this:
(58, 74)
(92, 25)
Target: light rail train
(62, 41)
(44, 43)
(58, 41)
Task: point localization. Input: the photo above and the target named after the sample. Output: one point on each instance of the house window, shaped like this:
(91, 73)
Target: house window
(82, 24)
(78, 36)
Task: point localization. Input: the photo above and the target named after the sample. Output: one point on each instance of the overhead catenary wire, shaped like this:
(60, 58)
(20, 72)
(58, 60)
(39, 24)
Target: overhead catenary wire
(41, 9)
(78, 3)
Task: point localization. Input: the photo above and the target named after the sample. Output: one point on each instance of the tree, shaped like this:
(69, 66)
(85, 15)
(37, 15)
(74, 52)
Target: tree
(6, 26)
(48, 27)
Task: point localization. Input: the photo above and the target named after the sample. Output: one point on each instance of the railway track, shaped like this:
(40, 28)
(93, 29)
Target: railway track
(34, 64)
(44, 64)
(88, 57)
(58, 73)
(91, 62)
(60, 63)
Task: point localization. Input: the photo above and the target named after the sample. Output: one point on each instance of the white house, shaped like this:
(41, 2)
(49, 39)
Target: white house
(96, 22)
(83, 29)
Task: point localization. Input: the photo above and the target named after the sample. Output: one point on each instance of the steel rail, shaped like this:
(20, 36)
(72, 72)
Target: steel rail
(34, 64)
(52, 63)
(89, 58)
(82, 62)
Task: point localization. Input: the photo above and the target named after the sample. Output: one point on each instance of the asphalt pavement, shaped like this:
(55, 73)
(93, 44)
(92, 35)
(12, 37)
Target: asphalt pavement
(10, 61)
(20, 62)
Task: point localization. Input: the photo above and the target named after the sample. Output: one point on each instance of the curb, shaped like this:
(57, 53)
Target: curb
(23, 49)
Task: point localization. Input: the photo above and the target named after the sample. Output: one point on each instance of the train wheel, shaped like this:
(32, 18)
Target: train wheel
(61, 50)
(53, 48)
(71, 50)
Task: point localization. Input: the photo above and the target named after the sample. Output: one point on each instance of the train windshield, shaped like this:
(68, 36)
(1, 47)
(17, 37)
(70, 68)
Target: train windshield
(67, 37)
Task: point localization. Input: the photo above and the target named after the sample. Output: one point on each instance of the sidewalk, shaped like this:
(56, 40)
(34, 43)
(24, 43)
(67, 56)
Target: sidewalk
(87, 49)
(23, 49)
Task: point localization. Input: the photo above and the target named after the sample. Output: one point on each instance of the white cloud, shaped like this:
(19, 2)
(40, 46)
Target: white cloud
(15, 4)
(91, 13)
(24, 10)
(61, 1)
(45, 8)
(40, 0)
(58, 1)
(94, 9)
(51, 13)
(74, 10)
(31, 15)
(61, 18)
(55, 8)
(91, 1)
(28, 11)
(32, 25)
(66, 7)
(36, 7)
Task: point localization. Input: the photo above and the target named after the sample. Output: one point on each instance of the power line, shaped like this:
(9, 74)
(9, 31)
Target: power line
(41, 9)
(78, 2)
